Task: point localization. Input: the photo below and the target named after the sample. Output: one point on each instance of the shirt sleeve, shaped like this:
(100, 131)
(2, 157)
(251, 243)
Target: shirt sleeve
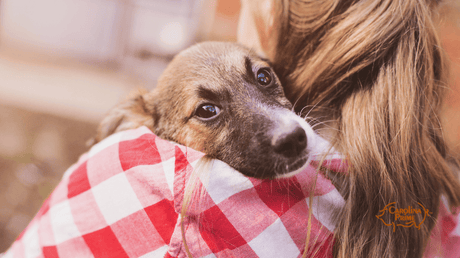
(123, 199)
(116, 201)
(445, 236)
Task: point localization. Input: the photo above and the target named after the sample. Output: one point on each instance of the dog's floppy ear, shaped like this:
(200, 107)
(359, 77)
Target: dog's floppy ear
(131, 113)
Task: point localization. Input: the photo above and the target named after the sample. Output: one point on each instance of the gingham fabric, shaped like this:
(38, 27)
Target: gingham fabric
(124, 199)
(445, 237)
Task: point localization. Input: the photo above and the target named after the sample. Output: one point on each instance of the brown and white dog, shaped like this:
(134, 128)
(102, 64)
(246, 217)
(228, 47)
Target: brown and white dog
(222, 99)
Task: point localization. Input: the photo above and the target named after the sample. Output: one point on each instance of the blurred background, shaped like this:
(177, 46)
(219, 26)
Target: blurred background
(64, 64)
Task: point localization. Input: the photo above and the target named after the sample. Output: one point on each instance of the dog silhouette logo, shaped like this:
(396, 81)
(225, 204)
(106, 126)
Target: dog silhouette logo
(403, 217)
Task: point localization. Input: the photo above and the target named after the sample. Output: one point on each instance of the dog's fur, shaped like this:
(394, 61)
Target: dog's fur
(255, 132)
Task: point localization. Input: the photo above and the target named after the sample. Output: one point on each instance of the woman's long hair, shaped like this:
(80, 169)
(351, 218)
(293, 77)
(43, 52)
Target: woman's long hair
(375, 68)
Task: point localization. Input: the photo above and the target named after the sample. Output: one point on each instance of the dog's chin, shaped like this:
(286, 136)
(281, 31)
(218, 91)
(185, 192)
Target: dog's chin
(266, 170)
(295, 168)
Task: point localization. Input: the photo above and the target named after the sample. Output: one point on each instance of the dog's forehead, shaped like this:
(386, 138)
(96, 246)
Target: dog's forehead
(220, 57)
(209, 63)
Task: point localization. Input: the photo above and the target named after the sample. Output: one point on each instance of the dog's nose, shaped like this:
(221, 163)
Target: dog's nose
(292, 143)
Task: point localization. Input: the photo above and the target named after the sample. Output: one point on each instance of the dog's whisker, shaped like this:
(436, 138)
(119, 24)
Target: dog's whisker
(294, 105)
(325, 123)
(311, 107)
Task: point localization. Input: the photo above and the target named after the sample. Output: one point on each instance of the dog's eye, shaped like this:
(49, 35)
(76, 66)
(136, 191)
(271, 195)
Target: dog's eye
(263, 77)
(207, 111)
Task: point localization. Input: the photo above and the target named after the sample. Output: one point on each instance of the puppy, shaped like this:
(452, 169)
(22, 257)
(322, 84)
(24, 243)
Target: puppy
(222, 99)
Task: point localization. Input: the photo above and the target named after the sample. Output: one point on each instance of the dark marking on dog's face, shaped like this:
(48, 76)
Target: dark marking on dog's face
(223, 100)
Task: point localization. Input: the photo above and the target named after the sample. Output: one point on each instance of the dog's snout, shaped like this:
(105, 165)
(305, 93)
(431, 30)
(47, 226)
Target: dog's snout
(291, 143)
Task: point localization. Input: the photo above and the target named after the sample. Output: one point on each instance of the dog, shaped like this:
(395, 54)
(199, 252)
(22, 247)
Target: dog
(225, 101)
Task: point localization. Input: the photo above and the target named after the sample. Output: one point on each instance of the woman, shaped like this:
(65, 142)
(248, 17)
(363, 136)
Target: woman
(373, 77)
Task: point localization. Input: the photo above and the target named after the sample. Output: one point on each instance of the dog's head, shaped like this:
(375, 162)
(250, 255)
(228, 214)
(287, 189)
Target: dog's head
(223, 100)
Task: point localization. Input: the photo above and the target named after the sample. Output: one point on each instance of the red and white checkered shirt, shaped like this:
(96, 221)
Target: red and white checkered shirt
(124, 199)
